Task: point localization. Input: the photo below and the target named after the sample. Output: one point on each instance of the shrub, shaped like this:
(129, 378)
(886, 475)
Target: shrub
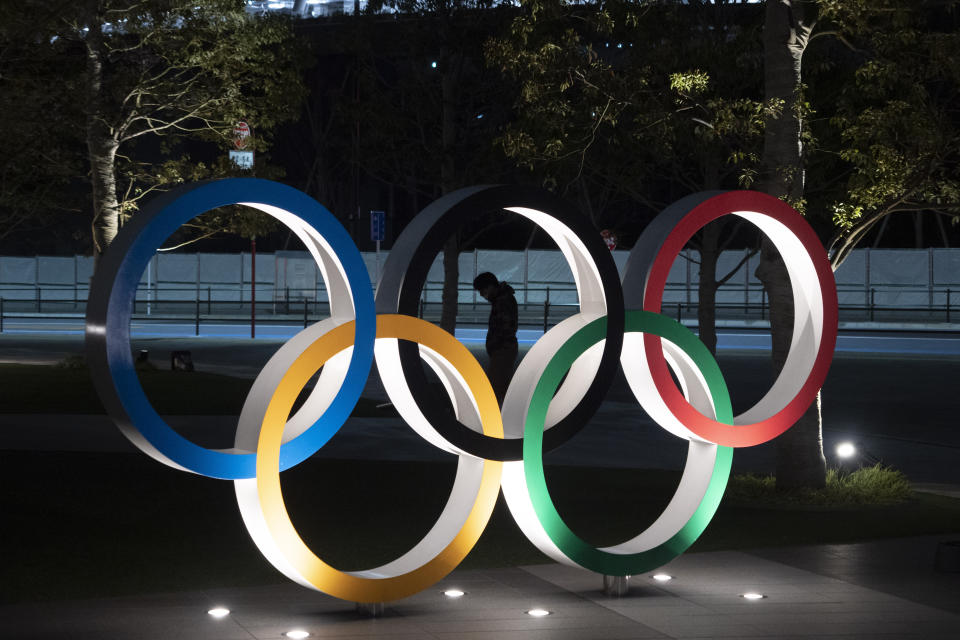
(876, 485)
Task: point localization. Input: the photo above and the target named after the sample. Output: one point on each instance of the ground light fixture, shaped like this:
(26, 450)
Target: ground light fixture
(662, 577)
(750, 595)
(219, 612)
(846, 450)
(538, 613)
(297, 634)
(454, 593)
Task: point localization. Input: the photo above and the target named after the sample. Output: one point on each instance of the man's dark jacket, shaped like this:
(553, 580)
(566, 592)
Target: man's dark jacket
(502, 327)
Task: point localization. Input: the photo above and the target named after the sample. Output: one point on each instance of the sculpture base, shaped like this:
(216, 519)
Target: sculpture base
(616, 586)
(370, 609)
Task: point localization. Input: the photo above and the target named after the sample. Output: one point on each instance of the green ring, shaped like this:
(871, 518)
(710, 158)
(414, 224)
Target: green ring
(569, 543)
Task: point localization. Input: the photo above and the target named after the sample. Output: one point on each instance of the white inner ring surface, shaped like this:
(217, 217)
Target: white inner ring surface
(463, 495)
(697, 472)
(334, 371)
(592, 306)
(805, 344)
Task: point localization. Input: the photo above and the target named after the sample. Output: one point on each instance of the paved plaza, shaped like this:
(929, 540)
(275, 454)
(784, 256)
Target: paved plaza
(863, 591)
(884, 589)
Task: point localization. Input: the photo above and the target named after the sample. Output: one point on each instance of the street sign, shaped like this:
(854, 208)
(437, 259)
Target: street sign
(378, 225)
(242, 159)
(241, 135)
(609, 238)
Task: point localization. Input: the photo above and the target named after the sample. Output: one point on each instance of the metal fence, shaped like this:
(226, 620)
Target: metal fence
(540, 307)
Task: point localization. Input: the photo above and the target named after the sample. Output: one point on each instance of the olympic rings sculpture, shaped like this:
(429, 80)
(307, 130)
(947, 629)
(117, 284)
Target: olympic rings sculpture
(558, 385)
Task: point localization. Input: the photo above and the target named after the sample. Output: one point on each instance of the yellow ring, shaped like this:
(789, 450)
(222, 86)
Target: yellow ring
(315, 571)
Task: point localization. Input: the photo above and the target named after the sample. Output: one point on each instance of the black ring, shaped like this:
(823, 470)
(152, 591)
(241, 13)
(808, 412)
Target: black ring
(405, 273)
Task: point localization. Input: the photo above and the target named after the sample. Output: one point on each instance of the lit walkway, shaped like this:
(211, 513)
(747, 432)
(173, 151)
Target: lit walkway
(872, 590)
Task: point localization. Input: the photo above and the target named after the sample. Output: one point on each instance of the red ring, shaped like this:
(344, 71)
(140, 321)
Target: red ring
(745, 435)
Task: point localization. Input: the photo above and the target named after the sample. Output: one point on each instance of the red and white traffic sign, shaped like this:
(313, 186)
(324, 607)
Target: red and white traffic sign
(241, 135)
(610, 238)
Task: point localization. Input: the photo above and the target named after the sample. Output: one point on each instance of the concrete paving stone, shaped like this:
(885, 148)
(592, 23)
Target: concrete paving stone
(562, 634)
(841, 618)
(680, 607)
(658, 619)
(380, 628)
(107, 623)
(680, 630)
(323, 633)
(520, 626)
(642, 613)
(702, 602)
(731, 595)
(799, 608)
(884, 629)
(789, 634)
(490, 608)
(724, 604)
(885, 610)
(510, 611)
(900, 567)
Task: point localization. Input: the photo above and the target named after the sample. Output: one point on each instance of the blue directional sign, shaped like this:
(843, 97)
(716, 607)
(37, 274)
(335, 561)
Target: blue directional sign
(378, 225)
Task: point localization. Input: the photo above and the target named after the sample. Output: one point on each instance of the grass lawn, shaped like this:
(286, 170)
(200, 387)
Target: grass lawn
(28, 388)
(87, 524)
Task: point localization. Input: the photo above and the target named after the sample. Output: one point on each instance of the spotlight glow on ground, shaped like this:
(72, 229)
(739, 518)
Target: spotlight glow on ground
(297, 634)
(753, 596)
(219, 612)
(846, 450)
(662, 577)
(454, 593)
(538, 613)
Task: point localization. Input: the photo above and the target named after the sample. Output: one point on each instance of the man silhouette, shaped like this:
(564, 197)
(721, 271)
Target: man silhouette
(501, 330)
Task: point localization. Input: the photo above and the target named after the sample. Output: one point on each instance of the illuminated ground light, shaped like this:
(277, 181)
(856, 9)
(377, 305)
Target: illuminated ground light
(538, 613)
(297, 634)
(454, 593)
(846, 450)
(219, 612)
(662, 577)
(753, 596)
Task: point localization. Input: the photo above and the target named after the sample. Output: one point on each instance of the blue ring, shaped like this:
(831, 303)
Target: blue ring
(150, 228)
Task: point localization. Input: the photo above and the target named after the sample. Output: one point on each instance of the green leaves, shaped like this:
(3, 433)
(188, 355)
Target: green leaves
(895, 121)
(691, 82)
(622, 102)
(145, 78)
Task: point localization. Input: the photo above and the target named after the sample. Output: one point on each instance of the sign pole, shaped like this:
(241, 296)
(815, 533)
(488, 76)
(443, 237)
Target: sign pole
(378, 225)
(149, 282)
(253, 287)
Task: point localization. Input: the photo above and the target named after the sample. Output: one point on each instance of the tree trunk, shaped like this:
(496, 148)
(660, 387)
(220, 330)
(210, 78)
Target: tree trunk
(450, 297)
(102, 151)
(787, 28)
(102, 147)
(451, 275)
(707, 286)
(709, 254)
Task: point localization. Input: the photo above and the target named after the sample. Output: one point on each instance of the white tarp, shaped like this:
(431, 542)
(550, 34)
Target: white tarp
(296, 275)
(56, 271)
(20, 271)
(179, 269)
(946, 268)
(897, 277)
(900, 278)
(219, 268)
(266, 269)
(851, 279)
